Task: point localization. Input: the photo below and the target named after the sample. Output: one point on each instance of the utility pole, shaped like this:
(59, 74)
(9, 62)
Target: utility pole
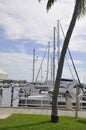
(54, 29)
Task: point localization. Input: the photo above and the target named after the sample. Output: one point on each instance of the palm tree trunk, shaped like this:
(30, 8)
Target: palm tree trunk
(54, 114)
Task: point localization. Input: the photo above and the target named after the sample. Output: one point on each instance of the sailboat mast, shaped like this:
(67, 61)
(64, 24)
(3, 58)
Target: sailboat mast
(41, 74)
(54, 29)
(48, 62)
(51, 68)
(58, 41)
(33, 64)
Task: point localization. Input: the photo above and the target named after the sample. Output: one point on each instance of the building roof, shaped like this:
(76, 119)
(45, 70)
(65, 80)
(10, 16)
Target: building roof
(2, 71)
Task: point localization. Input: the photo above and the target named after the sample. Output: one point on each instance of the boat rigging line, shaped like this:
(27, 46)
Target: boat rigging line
(41, 65)
(58, 47)
(73, 62)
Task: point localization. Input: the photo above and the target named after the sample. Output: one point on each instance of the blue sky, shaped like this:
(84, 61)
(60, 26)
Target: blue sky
(25, 25)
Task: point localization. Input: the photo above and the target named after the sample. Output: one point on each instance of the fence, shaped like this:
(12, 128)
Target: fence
(10, 97)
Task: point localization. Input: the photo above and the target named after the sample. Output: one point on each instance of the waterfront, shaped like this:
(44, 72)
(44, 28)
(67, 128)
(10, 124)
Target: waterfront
(40, 96)
(5, 112)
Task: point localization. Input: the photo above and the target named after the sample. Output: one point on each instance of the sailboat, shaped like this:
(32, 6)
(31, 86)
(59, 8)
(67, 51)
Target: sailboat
(43, 97)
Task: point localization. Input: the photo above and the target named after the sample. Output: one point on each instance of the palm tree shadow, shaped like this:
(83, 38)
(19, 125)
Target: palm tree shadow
(82, 121)
(26, 125)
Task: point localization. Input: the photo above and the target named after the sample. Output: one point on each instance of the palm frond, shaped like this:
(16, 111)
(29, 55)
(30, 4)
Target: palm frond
(50, 3)
(82, 8)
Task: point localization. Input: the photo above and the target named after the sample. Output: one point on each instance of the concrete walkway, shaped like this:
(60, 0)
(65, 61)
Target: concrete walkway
(6, 112)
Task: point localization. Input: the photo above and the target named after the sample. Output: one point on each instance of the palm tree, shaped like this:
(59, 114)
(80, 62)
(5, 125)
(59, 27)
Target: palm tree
(79, 10)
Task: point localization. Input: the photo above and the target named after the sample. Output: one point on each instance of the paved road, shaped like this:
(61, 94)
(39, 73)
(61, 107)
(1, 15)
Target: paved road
(5, 112)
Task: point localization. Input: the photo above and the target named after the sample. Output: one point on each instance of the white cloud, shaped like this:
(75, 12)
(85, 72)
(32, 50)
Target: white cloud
(29, 19)
(79, 46)
(76, 62)
(81, 74)
(20, 66)
(67, 73)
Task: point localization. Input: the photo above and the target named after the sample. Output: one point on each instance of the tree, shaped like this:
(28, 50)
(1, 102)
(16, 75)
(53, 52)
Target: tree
(79, 10)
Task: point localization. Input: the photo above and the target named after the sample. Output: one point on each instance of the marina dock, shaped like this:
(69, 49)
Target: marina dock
(6, 112)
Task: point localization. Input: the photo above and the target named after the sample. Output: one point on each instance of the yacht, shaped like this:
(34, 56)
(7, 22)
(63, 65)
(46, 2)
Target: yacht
(43, 95)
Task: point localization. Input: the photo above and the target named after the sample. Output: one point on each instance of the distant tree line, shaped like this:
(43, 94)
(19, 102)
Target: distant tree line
(13, 81)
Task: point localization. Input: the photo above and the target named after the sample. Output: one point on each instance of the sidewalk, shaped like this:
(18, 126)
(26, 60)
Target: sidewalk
(6, 112)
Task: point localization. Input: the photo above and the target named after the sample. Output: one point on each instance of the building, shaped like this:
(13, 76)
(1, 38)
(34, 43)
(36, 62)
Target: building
(3, 75)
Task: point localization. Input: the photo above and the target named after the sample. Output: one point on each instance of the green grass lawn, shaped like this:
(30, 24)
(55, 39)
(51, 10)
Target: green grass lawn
(41, 122)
